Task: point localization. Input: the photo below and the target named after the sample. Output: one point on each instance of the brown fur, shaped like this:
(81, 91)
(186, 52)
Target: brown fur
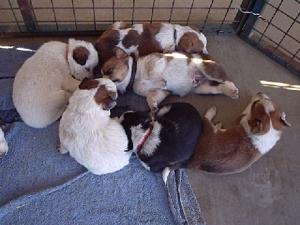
(215, 70)
(147, 42)
(106, 43)
(224, 152)
(88, 84)
(190, 43)
(131, 39)
(80, 55)
(231, 150)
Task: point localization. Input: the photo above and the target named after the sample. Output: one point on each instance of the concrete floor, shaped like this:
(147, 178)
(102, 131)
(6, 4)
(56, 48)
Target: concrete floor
(268, 192)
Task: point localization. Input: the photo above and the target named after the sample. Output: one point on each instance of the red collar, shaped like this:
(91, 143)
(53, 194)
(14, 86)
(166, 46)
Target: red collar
(144, 139)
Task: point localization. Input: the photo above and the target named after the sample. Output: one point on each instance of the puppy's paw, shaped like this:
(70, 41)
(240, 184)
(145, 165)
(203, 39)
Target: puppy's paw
(61, 149)
(3, 147)
(230, 90)
(211, 113)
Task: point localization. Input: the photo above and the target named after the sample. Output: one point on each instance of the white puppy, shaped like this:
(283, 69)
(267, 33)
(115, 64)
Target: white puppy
(3, 143)
(46, 80)
(88, 133)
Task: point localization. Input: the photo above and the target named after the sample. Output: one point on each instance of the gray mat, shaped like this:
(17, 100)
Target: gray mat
(40, 186)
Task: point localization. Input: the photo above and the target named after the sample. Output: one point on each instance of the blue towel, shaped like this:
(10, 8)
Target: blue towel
(40, 186)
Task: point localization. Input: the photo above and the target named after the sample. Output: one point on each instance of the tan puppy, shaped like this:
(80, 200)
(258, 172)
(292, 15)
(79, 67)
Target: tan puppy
(233, 150)
(159, 75)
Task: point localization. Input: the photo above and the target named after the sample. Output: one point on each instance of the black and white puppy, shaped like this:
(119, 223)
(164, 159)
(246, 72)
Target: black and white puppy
(166, 143)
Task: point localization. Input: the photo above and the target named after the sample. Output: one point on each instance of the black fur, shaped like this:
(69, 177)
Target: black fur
(181, 129)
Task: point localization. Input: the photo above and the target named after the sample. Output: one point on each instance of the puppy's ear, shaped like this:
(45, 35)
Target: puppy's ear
(284, 121)
(106, 98)
(260, 120)
(120, 53)
(81, 55)
(87, 84)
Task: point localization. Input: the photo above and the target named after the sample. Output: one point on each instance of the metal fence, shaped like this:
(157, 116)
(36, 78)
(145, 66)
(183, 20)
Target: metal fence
(270, 25)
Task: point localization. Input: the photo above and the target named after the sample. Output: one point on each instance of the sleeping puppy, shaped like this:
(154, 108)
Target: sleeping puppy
(143, 39)
(47, 79)
(168, 141)
(232, 150)
(88, 133)
(159, 75)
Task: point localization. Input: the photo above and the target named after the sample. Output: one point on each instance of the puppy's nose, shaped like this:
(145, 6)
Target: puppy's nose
(113, 95)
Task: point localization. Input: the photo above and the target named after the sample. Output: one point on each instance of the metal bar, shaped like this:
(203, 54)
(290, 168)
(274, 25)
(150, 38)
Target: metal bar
(190, 12)
(132, 16)
(153, 4)
(94, 14)
(15, 17)
(220, 28)
(54, 15)
(27, 15)
(206, 18)
(246, 5)
(113, 12)
(171, 13)
(73, 8)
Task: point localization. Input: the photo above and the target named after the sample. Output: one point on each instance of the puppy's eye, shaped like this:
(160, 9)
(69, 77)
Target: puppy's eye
(116, 80)
(87, 69)
(109, 72)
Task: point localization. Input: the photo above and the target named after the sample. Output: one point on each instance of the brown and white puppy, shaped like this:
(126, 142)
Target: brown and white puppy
(88, 133)
(143, 39)
(46, 80)
(159, 75)
(232, 150)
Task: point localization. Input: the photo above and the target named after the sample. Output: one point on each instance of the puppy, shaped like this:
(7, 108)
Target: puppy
(232, 150)
(143, 39)
(159, 75)
(88, 133)
(168, 141)
(46, 80)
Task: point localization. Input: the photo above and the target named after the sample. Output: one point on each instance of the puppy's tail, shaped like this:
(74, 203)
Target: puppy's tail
(120, 25)
(165, 174)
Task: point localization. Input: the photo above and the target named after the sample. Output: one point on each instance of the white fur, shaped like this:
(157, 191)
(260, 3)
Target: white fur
(165, 174)
(177, 74)
(89, 134)
(166, 37)
(153, 141)
(3, 143)
(44, 83)
(124, 83)
(264, 143)
(162, 111)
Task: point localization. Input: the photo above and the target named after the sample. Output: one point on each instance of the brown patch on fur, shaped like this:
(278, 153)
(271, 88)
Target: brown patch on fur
(223, 152)
(106, 43)
(147, 43)
(87, 84)
(260, 121)
(116, 68)
(131, 39)
(215, 70)
(190, 43)
(105, 97)
(81, 55)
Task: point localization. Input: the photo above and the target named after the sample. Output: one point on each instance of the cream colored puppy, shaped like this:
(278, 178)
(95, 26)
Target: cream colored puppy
(88, 133)
(46, 80)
